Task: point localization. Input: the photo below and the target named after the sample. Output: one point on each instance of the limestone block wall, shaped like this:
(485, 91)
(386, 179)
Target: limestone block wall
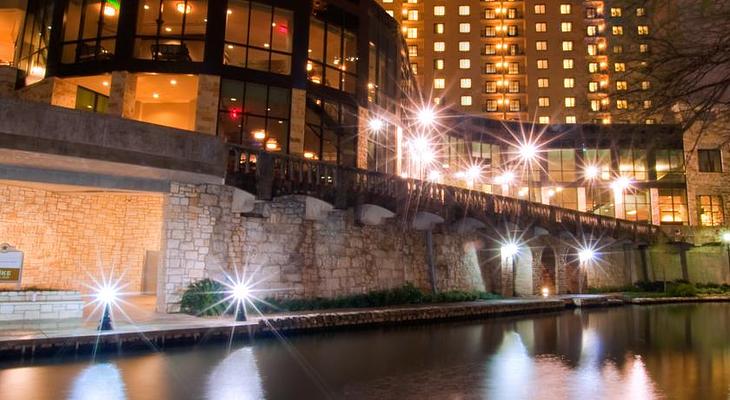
(290, 256)
(67, 237)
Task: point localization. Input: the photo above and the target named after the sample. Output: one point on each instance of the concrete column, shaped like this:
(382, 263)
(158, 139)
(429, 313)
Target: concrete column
(618, 201)
(654, 204)
(537, 268)
(297, 121)
(582, 203)
(561, 270)
(206, 114)
(507, 269)
(122, 95)
(362, 138)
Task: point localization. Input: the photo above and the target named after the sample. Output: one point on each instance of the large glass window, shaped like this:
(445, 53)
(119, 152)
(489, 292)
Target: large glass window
(33, 52)
(636, 206)
(259, 36)
(710, 210)
(90, 30)
(90, 100)
(382, 148)
(171, 30)
(330, 131)
(632, 164)
(561, 165)
(564, 197)
(600, 201)
(333, 54)
(670, 164)
(597, 164)
(672, 206)
(254, 115)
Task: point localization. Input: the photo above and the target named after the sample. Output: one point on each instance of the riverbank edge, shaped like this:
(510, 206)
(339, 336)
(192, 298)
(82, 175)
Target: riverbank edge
(159, 338)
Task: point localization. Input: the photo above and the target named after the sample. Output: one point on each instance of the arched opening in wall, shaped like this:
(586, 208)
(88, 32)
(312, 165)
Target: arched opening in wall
(572, 273)
(548, 269)
(523, 272)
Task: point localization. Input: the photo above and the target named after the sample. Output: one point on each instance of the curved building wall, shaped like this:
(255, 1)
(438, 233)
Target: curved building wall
(293, 77)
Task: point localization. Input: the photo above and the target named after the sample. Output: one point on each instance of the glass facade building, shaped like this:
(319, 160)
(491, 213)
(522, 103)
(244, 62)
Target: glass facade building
(290, 77)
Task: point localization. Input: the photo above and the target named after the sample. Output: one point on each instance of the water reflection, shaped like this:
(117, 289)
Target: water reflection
(236, 377)
(675, 352)
(99, 381)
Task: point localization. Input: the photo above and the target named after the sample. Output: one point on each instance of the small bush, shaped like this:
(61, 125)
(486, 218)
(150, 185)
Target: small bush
(681, 290)
(645, 286)
(204, 297)
(406, 294)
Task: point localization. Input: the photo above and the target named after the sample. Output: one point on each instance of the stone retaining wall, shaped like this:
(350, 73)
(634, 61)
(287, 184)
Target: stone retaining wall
(291, 256)
(40, 305)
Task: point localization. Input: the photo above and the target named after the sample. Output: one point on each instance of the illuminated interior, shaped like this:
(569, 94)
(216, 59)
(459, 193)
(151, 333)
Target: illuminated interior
(11, 21)
(167, 99)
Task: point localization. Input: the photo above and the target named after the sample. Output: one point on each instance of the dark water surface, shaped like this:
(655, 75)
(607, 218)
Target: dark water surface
(669, 351)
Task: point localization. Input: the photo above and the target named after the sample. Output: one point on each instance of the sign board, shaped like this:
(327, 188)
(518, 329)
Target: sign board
(11, 264)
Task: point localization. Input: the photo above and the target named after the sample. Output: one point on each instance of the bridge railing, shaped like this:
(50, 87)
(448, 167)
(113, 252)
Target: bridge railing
(270, 174)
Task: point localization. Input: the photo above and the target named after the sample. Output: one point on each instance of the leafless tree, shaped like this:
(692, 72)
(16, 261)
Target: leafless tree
(685, 60)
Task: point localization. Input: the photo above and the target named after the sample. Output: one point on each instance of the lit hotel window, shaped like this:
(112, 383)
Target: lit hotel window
(464, 46)
(568, 83)
(570, 119)
(465, 83)
(570, 102)
(567, 45)
(568, 63)
(540, 27)
(566, 26)
(565, 8)
(464, 10)
(413, 15)
(542, 64)
(439, 83)
(617, 30)
(539, 8)
(541, 45)
(438, 63)
(438, 28)
(543, 119)
(466, 100)
(464, 27)
(543, 102)
(439, 47)
(543, 82)
(464, 63)
(439, 11)
(615, 12)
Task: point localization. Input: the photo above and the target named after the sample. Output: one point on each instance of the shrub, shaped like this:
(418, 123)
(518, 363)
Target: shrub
(204, 297)
(406, 294)
(681, 289)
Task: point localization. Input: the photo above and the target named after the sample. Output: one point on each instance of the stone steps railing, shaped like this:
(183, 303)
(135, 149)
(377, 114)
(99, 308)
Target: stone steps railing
(268, 175)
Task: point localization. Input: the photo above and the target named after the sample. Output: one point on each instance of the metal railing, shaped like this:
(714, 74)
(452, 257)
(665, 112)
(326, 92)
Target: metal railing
(268, 175)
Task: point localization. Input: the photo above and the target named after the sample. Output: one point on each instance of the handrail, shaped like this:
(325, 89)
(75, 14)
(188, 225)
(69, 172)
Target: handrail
(276, 174)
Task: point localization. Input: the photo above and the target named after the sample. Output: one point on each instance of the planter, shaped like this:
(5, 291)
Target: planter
(40, 305)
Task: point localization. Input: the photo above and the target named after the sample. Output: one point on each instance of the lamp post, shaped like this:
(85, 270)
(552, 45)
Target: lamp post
(585, 256)
(240, 295)
(106, 295)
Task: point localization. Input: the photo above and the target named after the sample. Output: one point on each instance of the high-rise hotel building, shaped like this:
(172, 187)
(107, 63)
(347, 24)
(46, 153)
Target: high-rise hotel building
(548, 61)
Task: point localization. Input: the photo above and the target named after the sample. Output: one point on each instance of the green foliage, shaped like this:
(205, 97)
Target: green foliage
(204, 297)
(406, 294)
(681, 290)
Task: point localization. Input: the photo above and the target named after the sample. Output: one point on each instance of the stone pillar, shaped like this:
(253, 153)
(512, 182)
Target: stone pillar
(362, 138)
(122, 95)
(64, 93)
(537, 268)
(297, 121)
(8, 77)
(507, 267)
(206, 107)
(561, 269)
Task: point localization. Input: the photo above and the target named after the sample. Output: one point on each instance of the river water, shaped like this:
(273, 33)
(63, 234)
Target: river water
(633, 352)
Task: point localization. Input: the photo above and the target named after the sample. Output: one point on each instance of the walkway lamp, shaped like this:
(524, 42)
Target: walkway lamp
(240, 294)
(106, 295)
(590, 172)
(375, 124)
(426, 116)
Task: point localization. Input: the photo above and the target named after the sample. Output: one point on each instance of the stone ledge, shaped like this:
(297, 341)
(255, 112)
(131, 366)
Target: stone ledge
(666, 300)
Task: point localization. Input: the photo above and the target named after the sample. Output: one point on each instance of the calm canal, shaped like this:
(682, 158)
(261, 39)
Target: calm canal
(668, 352)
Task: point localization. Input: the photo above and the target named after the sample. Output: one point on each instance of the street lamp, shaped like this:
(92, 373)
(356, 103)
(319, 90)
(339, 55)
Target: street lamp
(240, 292)
(590, 172)
(376, 124)
(426, 116)
(528, 153)
(106, 295)
(585, 256)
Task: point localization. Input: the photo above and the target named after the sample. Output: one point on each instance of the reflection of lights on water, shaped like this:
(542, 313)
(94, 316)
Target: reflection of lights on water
(98, 381)
(511, 370)
(236, 377)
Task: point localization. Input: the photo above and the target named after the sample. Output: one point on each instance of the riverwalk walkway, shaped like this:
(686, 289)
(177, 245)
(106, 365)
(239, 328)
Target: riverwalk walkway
(140, 328)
